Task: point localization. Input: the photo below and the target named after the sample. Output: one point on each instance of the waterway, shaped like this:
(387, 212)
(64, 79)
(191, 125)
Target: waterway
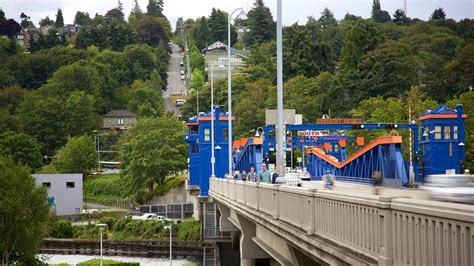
(75, 259)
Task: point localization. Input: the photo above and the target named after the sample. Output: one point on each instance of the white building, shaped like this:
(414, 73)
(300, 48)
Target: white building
(64, 191)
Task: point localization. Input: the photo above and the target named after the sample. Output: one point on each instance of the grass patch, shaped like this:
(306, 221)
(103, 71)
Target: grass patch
(109, 262)
(108, 189)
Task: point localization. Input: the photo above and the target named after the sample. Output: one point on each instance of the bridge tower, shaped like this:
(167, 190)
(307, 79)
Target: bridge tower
(199, 139)
(443, 140)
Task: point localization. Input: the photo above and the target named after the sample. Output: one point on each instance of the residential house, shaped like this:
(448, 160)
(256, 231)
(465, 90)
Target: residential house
(241, 30)
(217, 52)
(117, 120)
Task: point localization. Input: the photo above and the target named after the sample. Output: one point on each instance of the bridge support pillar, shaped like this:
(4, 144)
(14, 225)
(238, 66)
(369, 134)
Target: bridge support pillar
(249, 250)
(224, 223)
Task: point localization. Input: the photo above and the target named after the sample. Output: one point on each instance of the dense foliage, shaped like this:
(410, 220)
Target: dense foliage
(23, 214)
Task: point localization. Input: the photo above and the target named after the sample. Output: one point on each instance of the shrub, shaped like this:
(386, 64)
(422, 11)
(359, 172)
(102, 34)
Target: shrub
(108, 262)
(62, 229)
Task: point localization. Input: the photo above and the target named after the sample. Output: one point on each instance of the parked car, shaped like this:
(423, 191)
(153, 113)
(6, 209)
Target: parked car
(182, 72)
(181, 63)
(146, 216)
(180, 102)
(183, 77)
(304, 175)
(454, 188)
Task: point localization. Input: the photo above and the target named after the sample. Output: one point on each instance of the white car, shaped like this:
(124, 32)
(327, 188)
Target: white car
(150, 216)
(183, 77)
(454, 188)
(180, 102)
(182, 63)
(182, 72)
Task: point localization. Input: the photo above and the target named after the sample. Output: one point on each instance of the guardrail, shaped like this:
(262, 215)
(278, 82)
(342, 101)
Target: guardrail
(391, 230)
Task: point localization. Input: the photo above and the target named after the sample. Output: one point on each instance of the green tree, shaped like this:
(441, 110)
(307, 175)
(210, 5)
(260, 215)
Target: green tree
(400, 18)
(82, 18)
(59, 19)
(197, 79)
(146, 97)
(261, 24)
(153, 150)
(438, 14)
(46, 21)
(196, 60)
(379, 15)
(22, 148)
(217, 24)
(327, 19)
(363, 37)
(11, 97)
(155, 8)
(25, 21)
(465, 28)
(460, 71)
(23, 214)
(80, 113)
(9, 28)
(77, 156)
(152, 30)
(389, 70)
(201, 34)
(2, 15)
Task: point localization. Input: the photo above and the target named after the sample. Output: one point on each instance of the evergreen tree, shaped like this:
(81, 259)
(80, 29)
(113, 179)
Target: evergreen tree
(155, 8)
(136, 10)
(2, 15)
(24, 20)
(202, 33)
(400, 18)
(218, 26)
(379, 15)
(59, 19)
(438, 14)
(261, 24)
(327, 19)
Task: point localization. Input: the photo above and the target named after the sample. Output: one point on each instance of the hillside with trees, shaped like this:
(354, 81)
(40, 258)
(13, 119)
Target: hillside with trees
(376, 69)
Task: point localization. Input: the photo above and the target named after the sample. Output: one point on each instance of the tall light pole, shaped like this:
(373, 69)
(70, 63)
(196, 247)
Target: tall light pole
(280, 158)
(229, 81)
(101, 230)
(171, 243)
(213, 158)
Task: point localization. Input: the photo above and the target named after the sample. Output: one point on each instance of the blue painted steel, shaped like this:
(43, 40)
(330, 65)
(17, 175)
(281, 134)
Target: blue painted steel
(199, 139)
(443, 140)
(249, 156)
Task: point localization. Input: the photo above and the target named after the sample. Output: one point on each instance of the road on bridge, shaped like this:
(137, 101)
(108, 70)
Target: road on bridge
(175, 84)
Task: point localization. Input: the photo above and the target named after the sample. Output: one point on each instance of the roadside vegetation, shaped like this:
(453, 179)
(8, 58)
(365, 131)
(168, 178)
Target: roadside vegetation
(126, 229)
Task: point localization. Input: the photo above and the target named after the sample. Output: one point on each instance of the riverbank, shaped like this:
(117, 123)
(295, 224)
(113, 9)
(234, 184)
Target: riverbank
(75, 259)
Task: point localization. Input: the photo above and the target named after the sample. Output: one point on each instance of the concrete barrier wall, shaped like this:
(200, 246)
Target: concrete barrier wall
(393, 231)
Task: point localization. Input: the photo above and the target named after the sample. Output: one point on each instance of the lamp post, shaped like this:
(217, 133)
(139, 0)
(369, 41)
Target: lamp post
(101, 230)
(171, 243)
(229, 80)
(291, 151)
(280, 157)
(213, 158)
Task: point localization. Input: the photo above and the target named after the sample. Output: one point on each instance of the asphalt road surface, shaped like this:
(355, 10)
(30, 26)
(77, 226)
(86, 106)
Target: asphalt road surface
(175, 84)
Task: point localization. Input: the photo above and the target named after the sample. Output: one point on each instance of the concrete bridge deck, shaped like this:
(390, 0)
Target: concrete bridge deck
(307, 226)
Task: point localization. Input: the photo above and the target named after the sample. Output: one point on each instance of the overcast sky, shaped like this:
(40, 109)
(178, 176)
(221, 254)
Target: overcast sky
(293, 10)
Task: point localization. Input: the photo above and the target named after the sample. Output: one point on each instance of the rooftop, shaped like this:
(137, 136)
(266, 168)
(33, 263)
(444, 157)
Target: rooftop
(119, 113)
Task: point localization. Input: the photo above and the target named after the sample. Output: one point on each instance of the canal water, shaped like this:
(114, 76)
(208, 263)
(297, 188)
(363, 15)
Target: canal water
(75, 259)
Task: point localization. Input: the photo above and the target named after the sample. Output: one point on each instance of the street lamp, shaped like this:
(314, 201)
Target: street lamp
(291, 134)
(229, 80)
(259, 132)
(280, 158)
(101, 230)
(171, 243)
(213, 158)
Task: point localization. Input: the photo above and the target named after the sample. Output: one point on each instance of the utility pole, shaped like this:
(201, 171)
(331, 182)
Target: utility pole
(280, 156)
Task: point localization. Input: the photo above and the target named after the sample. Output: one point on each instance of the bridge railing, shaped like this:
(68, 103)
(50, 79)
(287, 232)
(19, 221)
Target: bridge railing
(393, 231)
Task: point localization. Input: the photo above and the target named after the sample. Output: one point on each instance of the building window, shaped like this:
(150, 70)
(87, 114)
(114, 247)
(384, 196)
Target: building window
(427, 133)
(455, 132)
(207, 134)
(336, 148)
(46, 184)
(437, 133)
(120, 121)
(225, 134)
(447, 132)
(70, 184)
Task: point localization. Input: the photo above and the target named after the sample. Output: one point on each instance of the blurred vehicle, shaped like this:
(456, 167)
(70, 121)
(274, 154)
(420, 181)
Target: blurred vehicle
(291, 178)
(454, 188)
(135, 213)
(182, 72)
(183, 77)
(304, 175)
(180, 102)
(90, 211)
(146, 216)
(181, 63)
